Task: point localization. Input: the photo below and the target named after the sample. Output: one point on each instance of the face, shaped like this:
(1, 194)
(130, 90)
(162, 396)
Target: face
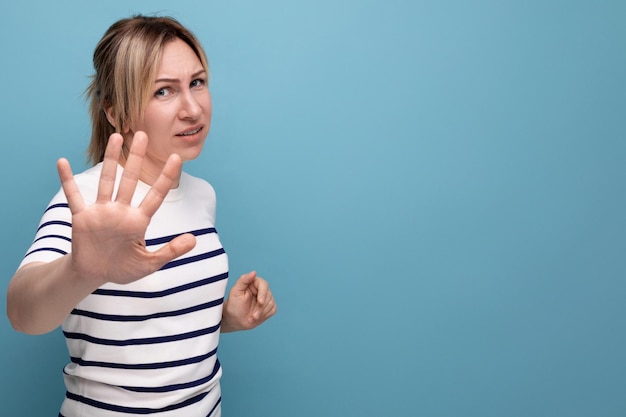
(178, 114)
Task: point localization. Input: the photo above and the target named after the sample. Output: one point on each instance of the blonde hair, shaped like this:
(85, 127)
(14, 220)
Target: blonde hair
(125, 62)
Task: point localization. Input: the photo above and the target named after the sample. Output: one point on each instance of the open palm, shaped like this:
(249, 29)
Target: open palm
(108, 236)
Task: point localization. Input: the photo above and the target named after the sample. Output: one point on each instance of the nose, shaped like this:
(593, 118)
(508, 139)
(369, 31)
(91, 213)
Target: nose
(190, 108)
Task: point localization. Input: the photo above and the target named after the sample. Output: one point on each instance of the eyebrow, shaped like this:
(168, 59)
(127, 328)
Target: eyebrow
(175, 80)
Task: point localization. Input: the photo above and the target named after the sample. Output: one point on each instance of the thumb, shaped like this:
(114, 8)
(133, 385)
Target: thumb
(245, 281)
(175, 248)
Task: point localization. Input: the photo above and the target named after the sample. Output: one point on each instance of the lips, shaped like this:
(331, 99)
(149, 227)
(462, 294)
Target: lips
(190, 132)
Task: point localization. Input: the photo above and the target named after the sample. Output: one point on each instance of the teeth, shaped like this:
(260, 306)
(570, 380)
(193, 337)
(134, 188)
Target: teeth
(193, 132)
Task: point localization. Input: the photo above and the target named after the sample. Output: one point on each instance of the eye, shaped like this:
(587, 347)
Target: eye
(198, 82)
(162, 92)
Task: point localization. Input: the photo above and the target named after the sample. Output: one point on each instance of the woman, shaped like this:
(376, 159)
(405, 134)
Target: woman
(126, 257)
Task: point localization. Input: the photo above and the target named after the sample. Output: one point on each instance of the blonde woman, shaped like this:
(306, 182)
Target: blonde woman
(126, 258)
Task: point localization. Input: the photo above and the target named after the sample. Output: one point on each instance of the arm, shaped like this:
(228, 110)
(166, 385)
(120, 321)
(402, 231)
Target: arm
(41, 295)
(107, 242)
(249, 304)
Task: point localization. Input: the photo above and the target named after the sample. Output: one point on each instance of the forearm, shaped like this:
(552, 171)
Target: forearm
(40, 296)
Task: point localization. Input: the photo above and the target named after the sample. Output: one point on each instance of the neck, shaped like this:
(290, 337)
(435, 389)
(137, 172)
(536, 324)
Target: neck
(150, 170)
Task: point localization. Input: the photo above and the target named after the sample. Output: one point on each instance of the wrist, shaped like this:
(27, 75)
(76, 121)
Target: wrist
(227, 325)
(80, 281)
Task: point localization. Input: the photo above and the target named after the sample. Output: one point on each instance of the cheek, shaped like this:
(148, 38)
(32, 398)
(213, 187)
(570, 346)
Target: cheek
(155, 120)
(208, 103)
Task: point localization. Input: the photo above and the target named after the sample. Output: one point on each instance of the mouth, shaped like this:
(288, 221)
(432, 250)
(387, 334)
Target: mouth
(190, 132)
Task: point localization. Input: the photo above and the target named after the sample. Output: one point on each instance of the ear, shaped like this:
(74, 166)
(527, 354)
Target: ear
(108, 111)
(110, 114)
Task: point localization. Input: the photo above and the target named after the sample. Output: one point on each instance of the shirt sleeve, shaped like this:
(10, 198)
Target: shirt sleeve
(53, 237)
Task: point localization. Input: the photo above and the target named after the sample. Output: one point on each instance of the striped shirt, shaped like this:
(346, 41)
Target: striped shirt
(149, 347)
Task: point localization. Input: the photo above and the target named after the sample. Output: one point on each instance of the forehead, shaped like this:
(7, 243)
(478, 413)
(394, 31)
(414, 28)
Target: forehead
(177, 57)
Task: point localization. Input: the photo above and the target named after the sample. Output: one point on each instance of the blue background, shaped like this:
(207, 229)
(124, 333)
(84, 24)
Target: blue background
(434, 189)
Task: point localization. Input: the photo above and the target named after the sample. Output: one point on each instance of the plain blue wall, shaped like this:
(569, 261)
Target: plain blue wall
(435, 189)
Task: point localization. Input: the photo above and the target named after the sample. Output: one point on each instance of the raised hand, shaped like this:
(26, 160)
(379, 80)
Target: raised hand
(250, 303)
(108, 236)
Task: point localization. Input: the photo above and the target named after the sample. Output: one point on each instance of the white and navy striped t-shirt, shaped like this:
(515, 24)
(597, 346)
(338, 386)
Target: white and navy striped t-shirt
(149, 347)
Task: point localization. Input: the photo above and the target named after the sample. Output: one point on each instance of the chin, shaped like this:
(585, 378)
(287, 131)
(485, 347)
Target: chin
(189, 154)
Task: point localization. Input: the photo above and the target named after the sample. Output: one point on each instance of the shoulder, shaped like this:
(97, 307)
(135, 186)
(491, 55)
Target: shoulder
(196, 185)
(199, 193)
(87, 183)
(90, 175)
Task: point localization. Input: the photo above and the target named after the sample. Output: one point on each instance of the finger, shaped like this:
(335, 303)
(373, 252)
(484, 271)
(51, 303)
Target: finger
(109, 168)
(245, 282)
(269, 308)
(263, 299)
(262, 288)
(175, 248)
(263, 313)
(169, 175)
(74, 198)
(132, 168)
